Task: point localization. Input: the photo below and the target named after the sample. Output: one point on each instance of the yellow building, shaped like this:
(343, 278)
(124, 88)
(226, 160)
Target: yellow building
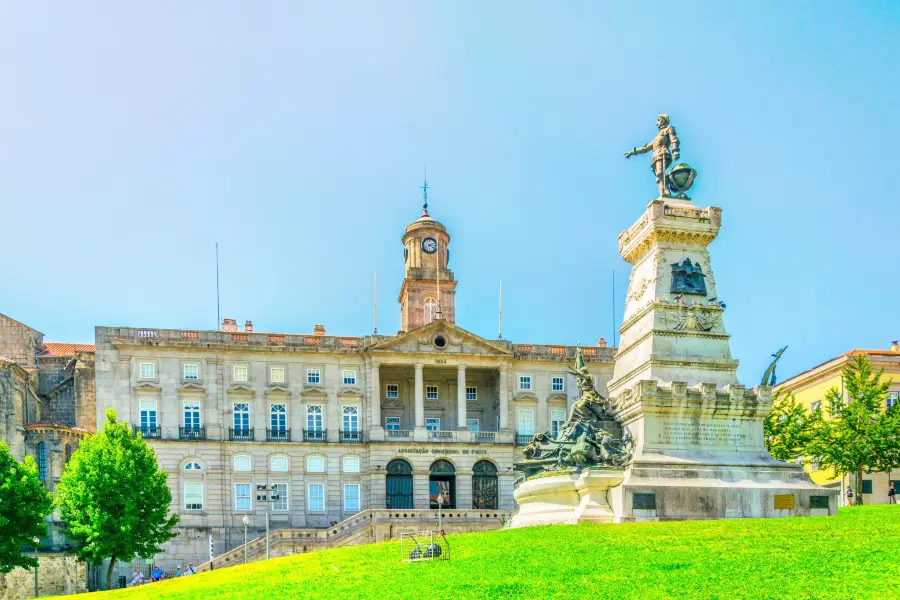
(810, 388)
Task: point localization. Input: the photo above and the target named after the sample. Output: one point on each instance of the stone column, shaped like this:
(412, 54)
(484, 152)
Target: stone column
(503, 386)
(420, 396)
(461, 397)
(375, 396)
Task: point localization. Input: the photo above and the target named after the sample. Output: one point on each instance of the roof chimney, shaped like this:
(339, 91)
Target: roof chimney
(601, 342)
(248, 327)
(894, 346)
(229, 325)
(319, 329)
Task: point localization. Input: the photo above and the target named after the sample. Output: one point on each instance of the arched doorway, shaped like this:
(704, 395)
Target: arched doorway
(399, 484)
(484, 485)
(442, 482)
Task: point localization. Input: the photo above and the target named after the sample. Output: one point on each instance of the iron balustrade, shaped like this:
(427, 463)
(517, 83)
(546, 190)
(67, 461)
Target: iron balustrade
(147, 432)
(442, 436)
(352, 437)
(278, 435)
(399, 433)
(192, 433)
(484, 437)
(523, 439)
(240, 435)
(314, 436)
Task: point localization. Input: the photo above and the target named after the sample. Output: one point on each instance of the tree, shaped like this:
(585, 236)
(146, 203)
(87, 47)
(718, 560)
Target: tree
(114, 498)
(860, 437)
(789, 428)
(24, 502)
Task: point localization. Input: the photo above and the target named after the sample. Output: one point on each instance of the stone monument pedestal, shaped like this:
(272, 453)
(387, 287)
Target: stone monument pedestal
(567, 499)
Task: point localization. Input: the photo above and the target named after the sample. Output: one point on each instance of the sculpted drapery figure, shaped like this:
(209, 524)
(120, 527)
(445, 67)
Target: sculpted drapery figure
(662, 156)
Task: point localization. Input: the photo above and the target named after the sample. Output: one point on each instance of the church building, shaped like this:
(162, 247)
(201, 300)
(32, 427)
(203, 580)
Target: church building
(337, 426)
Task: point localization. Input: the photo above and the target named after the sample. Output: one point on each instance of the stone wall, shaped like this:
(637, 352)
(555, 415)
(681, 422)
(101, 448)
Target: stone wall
(19, 342)
(57, 574)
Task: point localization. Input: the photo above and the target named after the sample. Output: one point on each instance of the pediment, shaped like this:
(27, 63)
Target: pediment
(559, 396)
(146, 386)
(525, 396)
(348, 391)
(240, 388)
(392, 403)
(191, 387)
(313, 391)
(458, 341)
(278, 389)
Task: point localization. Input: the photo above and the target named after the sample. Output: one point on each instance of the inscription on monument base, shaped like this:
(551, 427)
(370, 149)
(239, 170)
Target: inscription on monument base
(692, 432)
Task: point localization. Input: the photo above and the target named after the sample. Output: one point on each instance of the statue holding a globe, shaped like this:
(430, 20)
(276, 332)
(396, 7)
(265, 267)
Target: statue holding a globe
(680, 179)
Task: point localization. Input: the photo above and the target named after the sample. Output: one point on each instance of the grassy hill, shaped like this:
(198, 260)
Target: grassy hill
(851, 556)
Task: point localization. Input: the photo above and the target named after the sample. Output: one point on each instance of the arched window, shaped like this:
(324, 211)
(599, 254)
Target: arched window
(399, 484)
(192, 466)
(278, 464)
(430, 309)
(42, 462)
(242, 462)
(442, 485)
(442, 467)
(484, 485)
(351, 464)
(68, 453)
(315, 464)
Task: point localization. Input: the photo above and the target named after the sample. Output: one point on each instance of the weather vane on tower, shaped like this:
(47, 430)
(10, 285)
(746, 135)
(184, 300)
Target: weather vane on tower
(425, 193)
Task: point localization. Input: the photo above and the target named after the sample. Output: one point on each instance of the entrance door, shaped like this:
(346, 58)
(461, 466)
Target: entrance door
(442, 483)
(399, 485)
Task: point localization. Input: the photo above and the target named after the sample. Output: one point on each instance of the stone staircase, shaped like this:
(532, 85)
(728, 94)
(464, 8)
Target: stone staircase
(366, 527)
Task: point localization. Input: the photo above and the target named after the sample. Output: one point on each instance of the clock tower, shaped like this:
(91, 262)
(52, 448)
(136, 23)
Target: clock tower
(428, 289)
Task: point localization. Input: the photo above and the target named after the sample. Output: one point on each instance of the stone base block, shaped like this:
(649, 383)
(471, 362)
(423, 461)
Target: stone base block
(566, 499)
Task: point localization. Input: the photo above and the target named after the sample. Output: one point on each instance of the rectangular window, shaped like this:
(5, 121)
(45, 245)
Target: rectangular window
(276, 374)
(471, 393)
(350, 419)
(432, 424)
(393, 390)
(557, 418)
(558, 384)
(278, 417)
(193, 495)
(191, 415)
(392, 423)
(282, 490)
(313, 376)
(524, 382)
(431, 392)
(816, 405)
(867, 486)
(526, 422)
(349, 376)
(892, 399)
(148, 370)
(242, 497)
(239, 373)
(473, 425)
(148, 414)
(241, 416)
(316, 497)
(351, 497)
(314, 418)
(191, 372)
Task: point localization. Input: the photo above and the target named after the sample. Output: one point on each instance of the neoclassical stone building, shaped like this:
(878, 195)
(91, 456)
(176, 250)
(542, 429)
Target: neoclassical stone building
(336, 425)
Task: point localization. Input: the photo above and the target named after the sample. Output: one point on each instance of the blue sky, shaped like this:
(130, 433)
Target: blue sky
(133, 136)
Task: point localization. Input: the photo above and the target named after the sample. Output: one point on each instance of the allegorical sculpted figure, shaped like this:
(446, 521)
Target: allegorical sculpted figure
(662, 156)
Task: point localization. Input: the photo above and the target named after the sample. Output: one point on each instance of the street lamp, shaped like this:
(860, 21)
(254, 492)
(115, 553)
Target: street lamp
(36, 542)
(268, 499)
(246, 521)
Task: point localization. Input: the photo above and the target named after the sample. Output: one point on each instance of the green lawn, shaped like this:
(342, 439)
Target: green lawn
(851, 556)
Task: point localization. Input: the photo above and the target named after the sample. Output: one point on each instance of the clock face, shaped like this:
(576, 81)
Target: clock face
(429, 245)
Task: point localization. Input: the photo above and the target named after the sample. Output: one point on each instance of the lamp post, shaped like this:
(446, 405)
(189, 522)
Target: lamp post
(36, 542)
(246, 521)
(268, 499)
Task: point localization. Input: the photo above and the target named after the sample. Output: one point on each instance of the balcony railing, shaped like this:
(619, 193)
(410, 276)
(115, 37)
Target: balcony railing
(400, 433)
(442, 436)
(240, 435)
(148, 432)
(278, 435)
(523, 439)
(314, 436)
(352, 437)
(484, 437)
(192, 433)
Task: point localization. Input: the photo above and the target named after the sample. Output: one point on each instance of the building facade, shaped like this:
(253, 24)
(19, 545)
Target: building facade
(336, 425)
(809, 389)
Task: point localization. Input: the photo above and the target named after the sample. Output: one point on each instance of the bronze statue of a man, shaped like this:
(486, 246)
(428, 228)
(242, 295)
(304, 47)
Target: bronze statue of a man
(662, 158)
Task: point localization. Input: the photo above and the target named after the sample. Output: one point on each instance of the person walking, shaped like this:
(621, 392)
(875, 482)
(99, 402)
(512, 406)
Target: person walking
(892, 494)
(849, 496)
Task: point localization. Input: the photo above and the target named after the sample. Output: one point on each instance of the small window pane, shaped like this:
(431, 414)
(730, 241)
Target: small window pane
(239, 373)
(431, 392)
(279, 463)
(432, 424)
(351, 464)
(525, 382)
(351, 497)
(313, 376)
(393, 390)
(276, 374)
(317, 496)
(242, 496)
(315, 464)
(558, 384)
(892, 399)
(193, 495)
(148, 370)
(191, 371)
(349, 377)
(392, 423)
(242, 463)
(282, 490)
(42, 462)
(471, 393)
(473, 425)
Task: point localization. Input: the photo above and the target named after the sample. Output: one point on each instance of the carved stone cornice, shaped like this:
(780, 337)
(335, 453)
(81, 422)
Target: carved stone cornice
(670, 222)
